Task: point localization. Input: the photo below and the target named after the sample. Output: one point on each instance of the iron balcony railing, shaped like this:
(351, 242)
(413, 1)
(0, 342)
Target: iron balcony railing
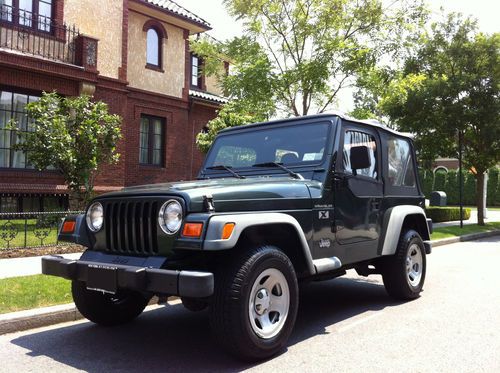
(31, 229)
(37, 35)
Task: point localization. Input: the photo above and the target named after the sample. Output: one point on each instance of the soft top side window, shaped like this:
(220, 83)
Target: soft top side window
(357, 138)
(401, 171)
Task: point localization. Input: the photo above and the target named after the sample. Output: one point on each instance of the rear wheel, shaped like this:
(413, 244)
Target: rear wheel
(255, 303)
(108, 309)
(404, 272)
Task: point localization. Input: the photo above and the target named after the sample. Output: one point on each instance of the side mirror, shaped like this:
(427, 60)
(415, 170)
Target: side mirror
(360, 157)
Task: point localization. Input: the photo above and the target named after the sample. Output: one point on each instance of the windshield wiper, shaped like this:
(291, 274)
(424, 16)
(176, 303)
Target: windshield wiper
(279, 165)
(227, 168)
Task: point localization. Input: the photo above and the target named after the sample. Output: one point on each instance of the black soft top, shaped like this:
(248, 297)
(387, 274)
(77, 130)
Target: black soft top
(369, 122)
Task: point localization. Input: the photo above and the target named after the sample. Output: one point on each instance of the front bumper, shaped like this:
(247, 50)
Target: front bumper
(109, 277)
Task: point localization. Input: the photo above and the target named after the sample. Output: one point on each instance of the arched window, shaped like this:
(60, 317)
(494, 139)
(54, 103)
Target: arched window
(153, 48)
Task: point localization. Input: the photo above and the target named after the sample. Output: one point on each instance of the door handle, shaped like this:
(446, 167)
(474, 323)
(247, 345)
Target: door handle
(375, 205)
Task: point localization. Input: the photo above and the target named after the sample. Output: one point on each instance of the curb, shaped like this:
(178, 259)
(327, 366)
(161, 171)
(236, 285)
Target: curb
(46, 316)
(40, 317)
(466, 237)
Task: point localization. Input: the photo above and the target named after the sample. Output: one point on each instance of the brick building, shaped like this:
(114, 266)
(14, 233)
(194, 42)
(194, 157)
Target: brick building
(132, 54)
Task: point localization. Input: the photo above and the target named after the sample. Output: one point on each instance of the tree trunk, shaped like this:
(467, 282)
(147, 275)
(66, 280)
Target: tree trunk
(480, 197)
(76, 201)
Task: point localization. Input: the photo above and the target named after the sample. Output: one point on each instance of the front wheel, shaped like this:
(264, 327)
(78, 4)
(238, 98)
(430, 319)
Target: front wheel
(255, 303)
(404, 272)
(108, 309)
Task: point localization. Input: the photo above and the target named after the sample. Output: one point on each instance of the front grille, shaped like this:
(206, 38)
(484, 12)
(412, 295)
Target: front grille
(131, 226)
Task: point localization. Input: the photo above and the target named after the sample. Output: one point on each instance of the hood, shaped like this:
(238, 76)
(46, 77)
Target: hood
(231, 194)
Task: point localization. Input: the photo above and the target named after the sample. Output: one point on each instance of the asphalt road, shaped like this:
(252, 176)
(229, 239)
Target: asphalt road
(347, 324)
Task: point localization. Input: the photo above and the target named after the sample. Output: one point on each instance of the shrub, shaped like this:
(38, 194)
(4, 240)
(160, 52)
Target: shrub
(493, 197)
(451, 187)
(440, 214)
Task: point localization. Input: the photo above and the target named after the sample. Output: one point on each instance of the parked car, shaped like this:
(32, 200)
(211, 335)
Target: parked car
(275, 204)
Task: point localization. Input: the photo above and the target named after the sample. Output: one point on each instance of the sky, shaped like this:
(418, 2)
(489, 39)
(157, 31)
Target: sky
(224, 26)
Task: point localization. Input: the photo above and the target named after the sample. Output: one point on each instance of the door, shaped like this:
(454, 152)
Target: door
(357, 197)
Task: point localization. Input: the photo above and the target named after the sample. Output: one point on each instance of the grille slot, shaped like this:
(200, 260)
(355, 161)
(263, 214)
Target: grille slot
(131, 226)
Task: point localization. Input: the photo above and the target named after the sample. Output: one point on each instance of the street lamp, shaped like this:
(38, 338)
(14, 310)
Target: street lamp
(460, 177)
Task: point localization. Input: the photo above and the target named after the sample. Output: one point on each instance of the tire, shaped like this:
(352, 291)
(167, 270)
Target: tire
(404, 272)
(107, 309)
(243, 317)
(194, 305)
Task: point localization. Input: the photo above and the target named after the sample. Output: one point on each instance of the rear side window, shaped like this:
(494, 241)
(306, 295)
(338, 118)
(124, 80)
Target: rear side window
(357, 138)
(400, 163)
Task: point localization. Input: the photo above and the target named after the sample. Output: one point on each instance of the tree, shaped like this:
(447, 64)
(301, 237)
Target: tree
(450, 85)
(75, 136)
(297, 55)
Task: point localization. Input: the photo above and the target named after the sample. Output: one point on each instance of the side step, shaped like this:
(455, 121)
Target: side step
(327, 264)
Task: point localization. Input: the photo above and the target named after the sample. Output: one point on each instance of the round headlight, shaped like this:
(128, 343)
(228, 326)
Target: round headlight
(170, 217)
(95, 217)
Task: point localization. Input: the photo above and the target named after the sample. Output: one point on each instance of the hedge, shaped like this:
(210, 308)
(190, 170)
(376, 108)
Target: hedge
(451, 188)
(470, 189)
(427, 182)
(440, 214)
(448, 182)
(493, 197)
(439, 181)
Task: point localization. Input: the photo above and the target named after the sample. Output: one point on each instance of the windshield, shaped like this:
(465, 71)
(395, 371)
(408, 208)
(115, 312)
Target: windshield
(297, 145)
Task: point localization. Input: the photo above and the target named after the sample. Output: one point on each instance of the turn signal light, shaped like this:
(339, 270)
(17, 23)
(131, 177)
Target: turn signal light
(227, 231)
(68, 226)
(192, 230)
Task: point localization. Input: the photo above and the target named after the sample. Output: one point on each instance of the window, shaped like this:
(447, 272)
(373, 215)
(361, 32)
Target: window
(297, 145)
(151, 141)
(356, 138)
(33, 203)
(13, 106)
(35, 14)
(153, 48)
(400, 163)
(195, 71)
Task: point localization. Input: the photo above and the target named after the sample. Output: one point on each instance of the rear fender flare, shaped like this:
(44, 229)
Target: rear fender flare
(393, 223)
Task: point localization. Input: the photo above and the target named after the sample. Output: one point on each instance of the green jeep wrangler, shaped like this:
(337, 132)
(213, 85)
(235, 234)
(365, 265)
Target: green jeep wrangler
(275, 204)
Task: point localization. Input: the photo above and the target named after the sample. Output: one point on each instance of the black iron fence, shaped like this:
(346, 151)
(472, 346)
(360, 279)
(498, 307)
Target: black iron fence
(37, 34)
(31, 229)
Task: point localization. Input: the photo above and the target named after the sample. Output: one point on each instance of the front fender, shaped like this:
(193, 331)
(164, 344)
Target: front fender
(216, 223)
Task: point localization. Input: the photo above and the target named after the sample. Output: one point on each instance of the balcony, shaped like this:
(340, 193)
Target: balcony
(40, 36)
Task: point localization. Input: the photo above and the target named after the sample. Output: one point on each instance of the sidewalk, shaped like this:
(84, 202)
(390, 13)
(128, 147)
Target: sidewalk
(26, 266)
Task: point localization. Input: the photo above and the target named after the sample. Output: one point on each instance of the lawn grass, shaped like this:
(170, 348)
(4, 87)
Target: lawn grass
(455, 230)
(28, 292)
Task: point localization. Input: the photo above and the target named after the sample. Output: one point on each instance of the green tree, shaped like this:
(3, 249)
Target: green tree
(297, 55)
(450, 85)
(75, 136)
